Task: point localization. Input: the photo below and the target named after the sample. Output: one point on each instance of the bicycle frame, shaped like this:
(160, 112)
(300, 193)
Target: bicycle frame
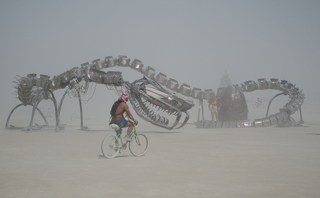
(133, 133)
(112, 143)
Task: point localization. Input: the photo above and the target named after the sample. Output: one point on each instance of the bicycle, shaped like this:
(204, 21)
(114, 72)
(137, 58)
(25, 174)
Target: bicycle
(112, 144)
(258, 104)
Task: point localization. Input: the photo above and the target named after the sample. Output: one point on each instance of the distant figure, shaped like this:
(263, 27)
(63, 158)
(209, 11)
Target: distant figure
(259, 101)
(214, 106)
(258, 104)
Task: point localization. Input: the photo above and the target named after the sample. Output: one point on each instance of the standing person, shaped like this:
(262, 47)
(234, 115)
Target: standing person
(213, 106)
(119, 119)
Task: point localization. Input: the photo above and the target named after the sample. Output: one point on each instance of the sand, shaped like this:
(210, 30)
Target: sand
(188, 162)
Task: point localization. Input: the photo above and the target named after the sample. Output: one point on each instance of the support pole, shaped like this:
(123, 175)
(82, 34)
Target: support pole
(200, 109)
(81, 114)
(35, 104)
(301, 120)
(80, 105)
(271, 101)
(60, 104)
(44, 118)
(57, 115)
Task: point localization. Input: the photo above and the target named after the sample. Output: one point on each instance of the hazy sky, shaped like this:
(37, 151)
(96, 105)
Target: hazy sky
(193, 42)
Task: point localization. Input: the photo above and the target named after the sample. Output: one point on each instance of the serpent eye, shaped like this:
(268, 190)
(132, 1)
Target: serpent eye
(173, 102)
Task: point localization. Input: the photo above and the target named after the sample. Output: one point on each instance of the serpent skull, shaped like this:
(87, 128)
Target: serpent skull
(157, 105)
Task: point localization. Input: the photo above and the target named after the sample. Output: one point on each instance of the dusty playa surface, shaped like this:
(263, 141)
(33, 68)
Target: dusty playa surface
(188, 162)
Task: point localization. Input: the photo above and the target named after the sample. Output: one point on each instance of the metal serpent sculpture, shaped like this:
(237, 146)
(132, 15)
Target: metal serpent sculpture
(234, 111)
(153, 94)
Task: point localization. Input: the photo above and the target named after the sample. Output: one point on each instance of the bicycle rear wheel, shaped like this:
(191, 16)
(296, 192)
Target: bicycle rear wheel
(139, 145)
(110, 146)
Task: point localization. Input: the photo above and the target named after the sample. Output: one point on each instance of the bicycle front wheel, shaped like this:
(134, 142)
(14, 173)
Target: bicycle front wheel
(139, 145)
(254, 106)
(262, 106)
(110, 146)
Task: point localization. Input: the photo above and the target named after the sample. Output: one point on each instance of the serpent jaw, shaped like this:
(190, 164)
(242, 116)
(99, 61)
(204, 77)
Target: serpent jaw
(158, 106)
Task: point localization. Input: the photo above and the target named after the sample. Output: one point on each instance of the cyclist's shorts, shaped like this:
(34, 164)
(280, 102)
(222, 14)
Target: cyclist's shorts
(121, 122)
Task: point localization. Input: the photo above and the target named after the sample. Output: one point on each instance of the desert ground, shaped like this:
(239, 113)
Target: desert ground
(187, 162)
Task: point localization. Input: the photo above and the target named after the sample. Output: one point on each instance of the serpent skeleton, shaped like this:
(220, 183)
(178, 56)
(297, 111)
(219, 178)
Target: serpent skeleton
(153, 94)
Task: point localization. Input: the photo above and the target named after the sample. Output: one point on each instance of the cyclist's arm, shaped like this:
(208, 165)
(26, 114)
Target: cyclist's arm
(126, 108)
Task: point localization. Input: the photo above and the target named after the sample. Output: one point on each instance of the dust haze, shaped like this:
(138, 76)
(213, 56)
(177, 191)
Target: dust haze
(192, 42)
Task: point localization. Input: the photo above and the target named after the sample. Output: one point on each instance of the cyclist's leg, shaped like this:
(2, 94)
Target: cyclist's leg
(123, 124)
(130, 127)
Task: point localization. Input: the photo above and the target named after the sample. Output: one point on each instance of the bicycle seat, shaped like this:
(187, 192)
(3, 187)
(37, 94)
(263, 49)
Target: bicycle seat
(114, 126)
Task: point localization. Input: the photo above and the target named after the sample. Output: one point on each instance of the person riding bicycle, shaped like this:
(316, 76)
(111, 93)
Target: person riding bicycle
(119, 119)
(259, 101)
